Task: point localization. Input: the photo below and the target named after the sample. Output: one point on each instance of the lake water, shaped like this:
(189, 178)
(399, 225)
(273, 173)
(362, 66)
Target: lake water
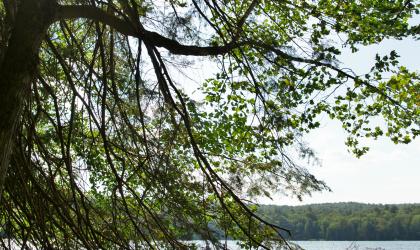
(346, 245)
(325, 245)
(360, 245)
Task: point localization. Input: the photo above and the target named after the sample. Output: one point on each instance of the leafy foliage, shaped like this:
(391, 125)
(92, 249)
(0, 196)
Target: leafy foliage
(112, 150)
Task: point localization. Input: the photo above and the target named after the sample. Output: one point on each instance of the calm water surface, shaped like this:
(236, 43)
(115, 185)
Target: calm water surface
(323, 245)
(346, 245)
(360, 245)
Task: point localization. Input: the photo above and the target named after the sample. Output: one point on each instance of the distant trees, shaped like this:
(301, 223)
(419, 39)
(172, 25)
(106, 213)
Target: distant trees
(348, 221)
(415, 226)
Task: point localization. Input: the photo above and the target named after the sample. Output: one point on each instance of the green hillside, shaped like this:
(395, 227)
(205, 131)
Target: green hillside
(347, 221)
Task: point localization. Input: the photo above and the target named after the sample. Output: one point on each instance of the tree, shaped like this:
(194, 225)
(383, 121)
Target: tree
(100, 146)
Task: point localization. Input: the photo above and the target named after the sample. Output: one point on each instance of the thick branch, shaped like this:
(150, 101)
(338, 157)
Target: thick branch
(129, 29)
(17, 70)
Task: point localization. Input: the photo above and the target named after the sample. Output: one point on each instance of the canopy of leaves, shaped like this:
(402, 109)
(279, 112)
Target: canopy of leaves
(112, 151)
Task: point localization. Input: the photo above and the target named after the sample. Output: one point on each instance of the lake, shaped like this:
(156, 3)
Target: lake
(329, 245)
(347, 245)
(360, 245)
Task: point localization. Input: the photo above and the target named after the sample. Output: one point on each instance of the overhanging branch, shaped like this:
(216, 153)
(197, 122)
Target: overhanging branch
(129, 29)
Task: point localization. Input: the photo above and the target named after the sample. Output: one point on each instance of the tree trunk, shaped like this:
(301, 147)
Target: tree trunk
(18, 69)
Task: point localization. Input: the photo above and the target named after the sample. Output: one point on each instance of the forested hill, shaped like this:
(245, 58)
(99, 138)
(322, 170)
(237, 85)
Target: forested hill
(347, 221)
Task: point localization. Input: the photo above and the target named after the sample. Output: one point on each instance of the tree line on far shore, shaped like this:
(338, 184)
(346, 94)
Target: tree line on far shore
(347, 221)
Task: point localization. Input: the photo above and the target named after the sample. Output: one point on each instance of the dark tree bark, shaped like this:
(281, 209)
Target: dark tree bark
(18, 68)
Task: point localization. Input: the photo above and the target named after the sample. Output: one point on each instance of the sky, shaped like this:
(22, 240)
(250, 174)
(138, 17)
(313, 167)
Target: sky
(388, 173)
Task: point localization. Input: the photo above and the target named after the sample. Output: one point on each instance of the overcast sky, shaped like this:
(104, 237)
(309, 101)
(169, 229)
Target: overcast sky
(389, 173)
